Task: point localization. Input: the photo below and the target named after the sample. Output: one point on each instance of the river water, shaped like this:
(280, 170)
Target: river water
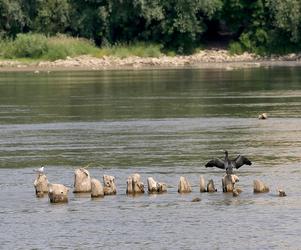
(159, 123)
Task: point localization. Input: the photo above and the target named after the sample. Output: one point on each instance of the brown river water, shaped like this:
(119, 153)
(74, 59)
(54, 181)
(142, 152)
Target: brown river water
(160, 123)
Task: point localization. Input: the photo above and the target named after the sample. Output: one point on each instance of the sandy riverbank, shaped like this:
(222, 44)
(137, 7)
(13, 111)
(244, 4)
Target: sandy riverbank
(203, 59)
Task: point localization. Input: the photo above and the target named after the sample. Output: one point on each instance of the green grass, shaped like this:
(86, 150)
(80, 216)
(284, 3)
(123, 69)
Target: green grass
(39, 47)
(59, 47)
(136, 49)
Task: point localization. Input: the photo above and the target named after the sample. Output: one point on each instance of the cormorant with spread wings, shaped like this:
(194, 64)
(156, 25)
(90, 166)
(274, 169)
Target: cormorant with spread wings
(228, 164)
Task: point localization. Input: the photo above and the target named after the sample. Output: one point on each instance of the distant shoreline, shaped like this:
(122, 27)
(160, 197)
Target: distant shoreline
(206, 59)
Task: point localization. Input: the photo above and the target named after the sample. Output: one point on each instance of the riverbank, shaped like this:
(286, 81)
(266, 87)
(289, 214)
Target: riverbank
(204, 59)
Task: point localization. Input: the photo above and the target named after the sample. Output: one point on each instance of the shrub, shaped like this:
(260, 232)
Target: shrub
(61, 46)
(136, 49)
(29, 45)
(235, 48)
(38, 46)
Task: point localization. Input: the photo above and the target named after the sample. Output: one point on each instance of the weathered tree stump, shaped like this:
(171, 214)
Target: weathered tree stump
(202, 184)
(57, 193)
(184, 186)
(260, 187)
(41, 185)
(210, 187)
(109, 185)
(96, 188)
(228, 182)
(155, 187)
(82, 181)
(134, 185)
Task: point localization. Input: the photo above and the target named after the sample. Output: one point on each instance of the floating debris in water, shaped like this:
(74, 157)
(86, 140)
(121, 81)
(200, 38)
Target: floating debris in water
(263, 116)
(281, 193)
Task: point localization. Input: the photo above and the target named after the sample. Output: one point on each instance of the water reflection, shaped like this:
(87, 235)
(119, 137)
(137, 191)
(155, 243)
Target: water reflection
(92, 96)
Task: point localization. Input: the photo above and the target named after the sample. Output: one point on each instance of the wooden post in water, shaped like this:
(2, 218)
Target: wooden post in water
(210, 186)
(202, 184)
(260, 187)
(41, 185)
(228, 182)
(155, 187)
(82, 181)
(134, 185)
(57, 193)
(109, 185)
(184, 186)
(96, 188)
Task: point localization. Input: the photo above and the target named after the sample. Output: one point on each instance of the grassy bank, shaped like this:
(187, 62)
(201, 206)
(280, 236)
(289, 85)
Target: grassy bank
(127, 50)
(40, 47)
(37, 46)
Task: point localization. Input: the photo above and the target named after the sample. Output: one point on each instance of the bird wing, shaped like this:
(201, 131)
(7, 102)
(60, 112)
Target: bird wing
(215, 163)
(240, 161)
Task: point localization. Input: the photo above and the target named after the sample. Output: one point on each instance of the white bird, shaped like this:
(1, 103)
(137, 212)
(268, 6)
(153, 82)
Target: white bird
(40, 170)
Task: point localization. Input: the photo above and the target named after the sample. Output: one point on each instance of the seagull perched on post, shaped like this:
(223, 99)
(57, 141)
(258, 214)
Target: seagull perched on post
(228, 164)
(40, 170)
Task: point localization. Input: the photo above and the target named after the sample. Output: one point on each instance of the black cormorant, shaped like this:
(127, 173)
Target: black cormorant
(228, 164)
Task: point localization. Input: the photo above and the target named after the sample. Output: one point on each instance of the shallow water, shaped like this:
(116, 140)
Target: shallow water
(160, 123)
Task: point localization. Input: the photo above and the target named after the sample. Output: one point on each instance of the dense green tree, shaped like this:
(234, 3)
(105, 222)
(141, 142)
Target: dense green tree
(184, 22)
(260, 26)
(12, 18)
(175, 24)
(89, 19)
(133, 20)
(286, 17)
(52, 16)
(242, 16)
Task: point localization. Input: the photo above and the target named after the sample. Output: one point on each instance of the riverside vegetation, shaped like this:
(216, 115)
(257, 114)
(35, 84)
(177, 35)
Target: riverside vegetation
(38, 46)
(29, 51)
(146, 28)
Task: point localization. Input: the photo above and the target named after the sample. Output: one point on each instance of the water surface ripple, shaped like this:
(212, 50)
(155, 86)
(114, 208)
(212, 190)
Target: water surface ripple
(159, 123)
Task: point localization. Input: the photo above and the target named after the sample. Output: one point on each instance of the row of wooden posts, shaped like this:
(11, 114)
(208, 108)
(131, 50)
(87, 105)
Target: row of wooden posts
(83, 183)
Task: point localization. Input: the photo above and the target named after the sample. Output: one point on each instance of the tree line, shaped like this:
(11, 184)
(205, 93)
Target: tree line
(260, 26)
